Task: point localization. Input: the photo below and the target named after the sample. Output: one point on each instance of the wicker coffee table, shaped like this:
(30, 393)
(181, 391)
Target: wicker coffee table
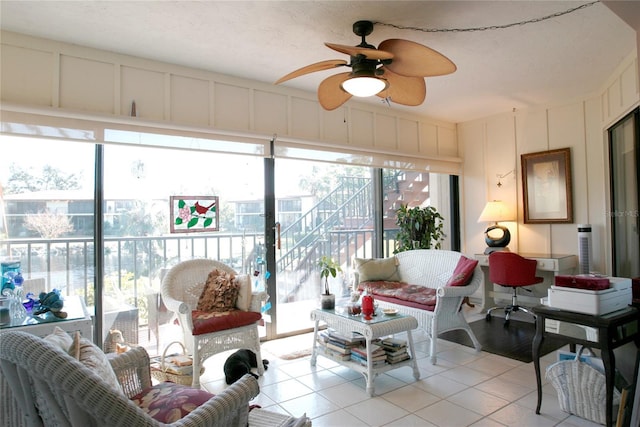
(379, 326)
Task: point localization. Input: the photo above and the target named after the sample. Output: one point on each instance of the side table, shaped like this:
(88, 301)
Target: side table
(78, 319)
(606, 333)
(380, 326)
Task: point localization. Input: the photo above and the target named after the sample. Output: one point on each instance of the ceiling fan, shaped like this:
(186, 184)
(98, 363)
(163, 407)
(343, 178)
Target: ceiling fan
(395, 71)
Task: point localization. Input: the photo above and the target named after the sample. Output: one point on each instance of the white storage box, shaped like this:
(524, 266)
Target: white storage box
(617, 297)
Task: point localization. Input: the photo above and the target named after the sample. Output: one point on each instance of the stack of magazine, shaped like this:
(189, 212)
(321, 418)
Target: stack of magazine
(337, 345)
(395, 350)
(378, 355)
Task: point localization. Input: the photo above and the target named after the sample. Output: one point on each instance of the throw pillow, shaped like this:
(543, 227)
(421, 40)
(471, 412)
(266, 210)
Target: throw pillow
(375, 269)
(219, 293)
(463, 272)
(60, 339)
(93, 358)
(168, 402)
(243, 302)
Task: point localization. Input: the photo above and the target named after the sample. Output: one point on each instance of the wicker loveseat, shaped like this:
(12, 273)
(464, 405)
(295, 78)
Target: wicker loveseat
(49, 387)
(418, 283)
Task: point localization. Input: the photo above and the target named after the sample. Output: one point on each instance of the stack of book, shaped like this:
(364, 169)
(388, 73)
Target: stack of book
(395, 350)
(378, 355)
(337, 345)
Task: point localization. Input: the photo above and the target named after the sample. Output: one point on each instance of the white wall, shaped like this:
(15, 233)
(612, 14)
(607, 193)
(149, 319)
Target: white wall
(46, 75)
(493, 145)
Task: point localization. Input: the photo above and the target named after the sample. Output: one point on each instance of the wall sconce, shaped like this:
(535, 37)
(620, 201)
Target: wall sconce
(496, 211)
(499, 184)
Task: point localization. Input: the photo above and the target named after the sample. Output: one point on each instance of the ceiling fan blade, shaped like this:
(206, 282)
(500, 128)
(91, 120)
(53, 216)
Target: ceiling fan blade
(404, 90)
(318, 66)
(413, 59)
(330, 94)
(356, 50)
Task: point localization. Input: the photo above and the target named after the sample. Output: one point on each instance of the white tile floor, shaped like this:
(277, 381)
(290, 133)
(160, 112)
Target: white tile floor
(464, 388)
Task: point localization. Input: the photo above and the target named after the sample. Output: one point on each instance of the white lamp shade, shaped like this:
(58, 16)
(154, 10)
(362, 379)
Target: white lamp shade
(364, 86)
(496, 211)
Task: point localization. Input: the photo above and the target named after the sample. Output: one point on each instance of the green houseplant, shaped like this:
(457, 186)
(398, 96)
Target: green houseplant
(420, 228)
(328, 267)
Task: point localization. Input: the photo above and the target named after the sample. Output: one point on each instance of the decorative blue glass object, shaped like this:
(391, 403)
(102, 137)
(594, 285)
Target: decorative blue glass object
(9, 270)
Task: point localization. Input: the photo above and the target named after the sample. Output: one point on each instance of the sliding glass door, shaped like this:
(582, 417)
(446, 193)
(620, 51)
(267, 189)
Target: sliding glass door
(624, 148)
(322, 209)
(141, 244)
(46, 207)
(277, 218)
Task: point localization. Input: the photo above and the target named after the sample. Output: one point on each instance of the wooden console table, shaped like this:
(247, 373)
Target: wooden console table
(609, 331)
(549, 266)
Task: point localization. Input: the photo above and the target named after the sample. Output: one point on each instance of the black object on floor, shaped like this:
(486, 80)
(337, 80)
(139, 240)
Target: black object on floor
(513, 341)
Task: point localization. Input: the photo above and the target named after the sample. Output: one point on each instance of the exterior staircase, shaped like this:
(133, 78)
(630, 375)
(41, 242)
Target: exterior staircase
(341, 224)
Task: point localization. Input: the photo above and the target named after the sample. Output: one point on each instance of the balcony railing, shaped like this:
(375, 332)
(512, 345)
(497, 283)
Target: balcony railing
(133, 266)
(68, 263)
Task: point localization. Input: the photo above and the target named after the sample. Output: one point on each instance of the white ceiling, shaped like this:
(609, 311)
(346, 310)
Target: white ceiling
(552, 61)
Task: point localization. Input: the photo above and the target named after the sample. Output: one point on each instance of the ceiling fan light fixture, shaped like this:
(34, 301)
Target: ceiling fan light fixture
(364, 86)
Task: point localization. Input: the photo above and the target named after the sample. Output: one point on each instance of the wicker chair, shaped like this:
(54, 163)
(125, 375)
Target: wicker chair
(52, 388)
(181, 289)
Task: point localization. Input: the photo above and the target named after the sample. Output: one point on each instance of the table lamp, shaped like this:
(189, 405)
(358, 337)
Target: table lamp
(496, 211)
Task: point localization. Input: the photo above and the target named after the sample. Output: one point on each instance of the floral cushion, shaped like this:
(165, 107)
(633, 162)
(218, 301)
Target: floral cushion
(168, 402)
(463, 272)
(418, 294)
(205, 322)
(381, 287)
(219, 293)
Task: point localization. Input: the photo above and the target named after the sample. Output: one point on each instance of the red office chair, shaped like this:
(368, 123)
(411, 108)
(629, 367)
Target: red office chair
(511, 271)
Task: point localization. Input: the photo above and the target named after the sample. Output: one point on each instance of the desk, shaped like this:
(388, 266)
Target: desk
(612, 331)
(549, 266)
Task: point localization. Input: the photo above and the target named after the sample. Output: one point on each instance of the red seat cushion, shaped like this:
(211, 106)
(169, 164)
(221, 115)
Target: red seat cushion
(205, 322)
(168, 402)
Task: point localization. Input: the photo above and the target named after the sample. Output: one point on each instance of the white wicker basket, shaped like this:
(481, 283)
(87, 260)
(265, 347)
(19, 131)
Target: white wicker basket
(581, 388)
(162, 374)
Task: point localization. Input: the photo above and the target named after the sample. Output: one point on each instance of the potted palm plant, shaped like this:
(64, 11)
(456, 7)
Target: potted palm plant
(328, 267)
(420, 228)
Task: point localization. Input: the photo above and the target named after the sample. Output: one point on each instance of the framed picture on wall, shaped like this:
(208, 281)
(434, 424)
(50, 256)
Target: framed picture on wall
(546, 181)
(191, 214)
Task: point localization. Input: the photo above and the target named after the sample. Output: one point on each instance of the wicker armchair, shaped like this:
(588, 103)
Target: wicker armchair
(181, 289)
(52, 388)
